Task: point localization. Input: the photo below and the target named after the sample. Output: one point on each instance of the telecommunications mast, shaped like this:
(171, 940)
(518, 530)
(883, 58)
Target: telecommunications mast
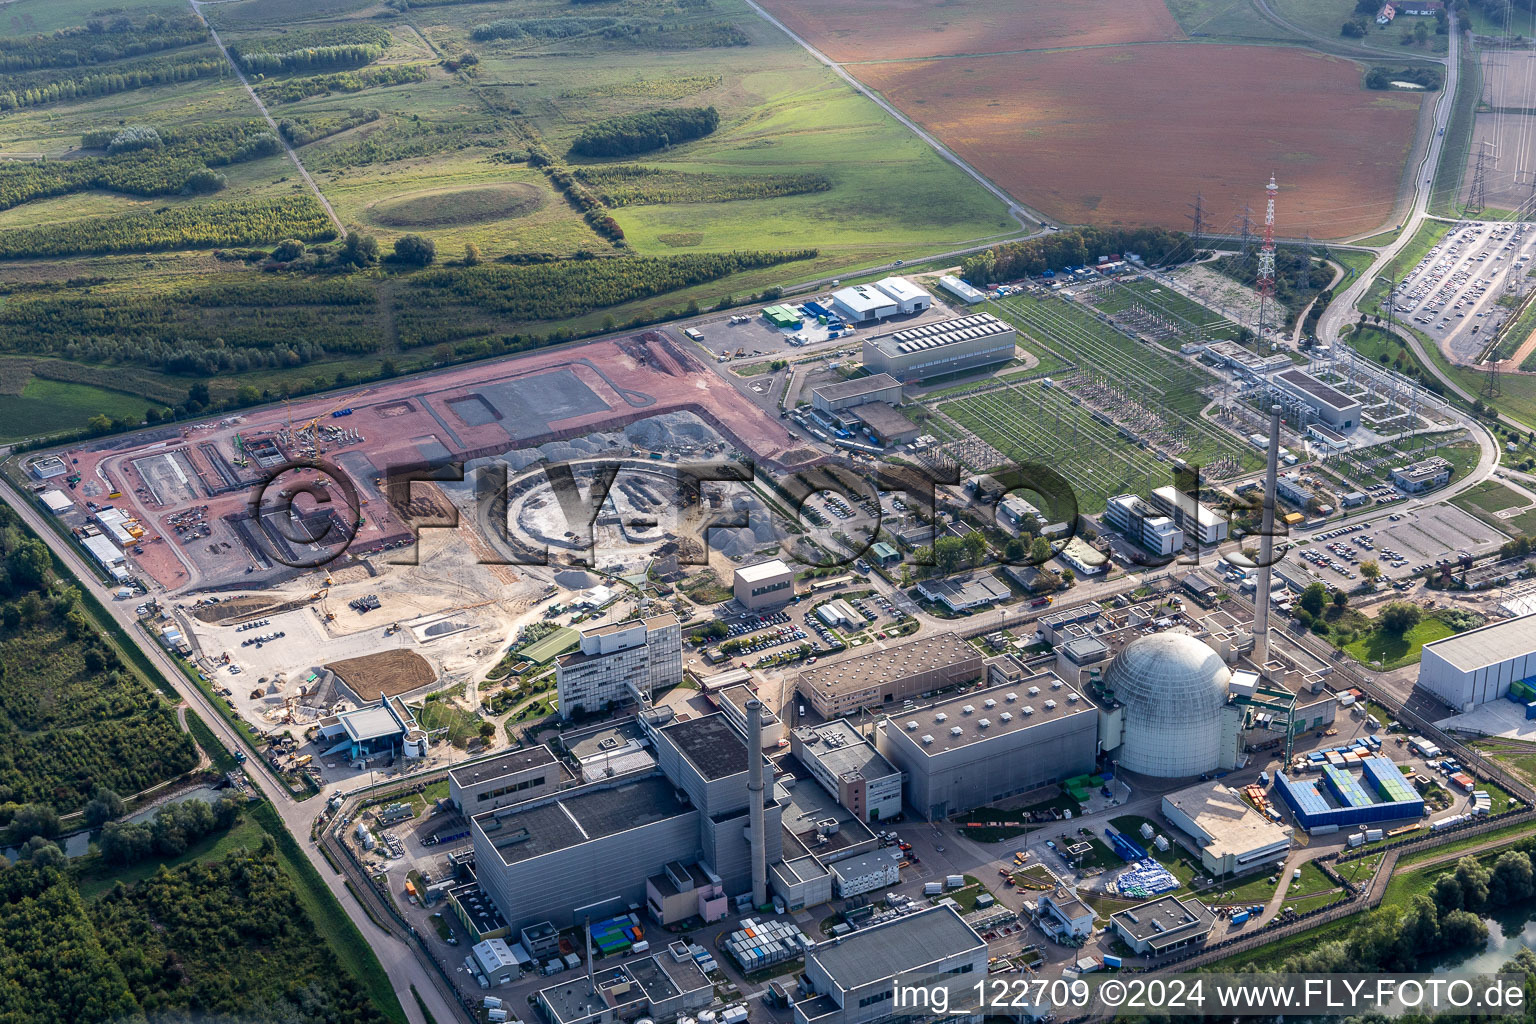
(1266, 275)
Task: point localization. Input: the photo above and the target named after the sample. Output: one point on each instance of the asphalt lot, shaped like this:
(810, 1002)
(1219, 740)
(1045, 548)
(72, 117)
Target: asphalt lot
(1452, 294)
(1401, 543)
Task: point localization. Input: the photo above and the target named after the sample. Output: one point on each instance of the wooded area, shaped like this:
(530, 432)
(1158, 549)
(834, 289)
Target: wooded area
(642, 132)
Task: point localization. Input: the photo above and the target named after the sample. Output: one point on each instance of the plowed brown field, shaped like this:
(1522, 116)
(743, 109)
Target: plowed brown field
(885, 29)
(1130, 134)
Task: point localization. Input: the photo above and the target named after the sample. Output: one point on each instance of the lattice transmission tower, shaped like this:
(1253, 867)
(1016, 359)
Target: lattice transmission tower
(1266, 281)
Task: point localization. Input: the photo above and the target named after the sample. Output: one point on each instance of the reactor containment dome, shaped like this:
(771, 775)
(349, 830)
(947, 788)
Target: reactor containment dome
(1173, 689)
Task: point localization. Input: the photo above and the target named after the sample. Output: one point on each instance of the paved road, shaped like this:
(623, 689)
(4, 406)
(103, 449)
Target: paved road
(1025, 216)
(398, 959)
(197, 6)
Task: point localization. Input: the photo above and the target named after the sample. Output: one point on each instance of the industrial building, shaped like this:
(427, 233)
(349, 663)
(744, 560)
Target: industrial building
(56, 501)
(1327, 436)
(108, 555)
(507, 778)
(46, 467)
(1163, 925)
(965, 592)
(659, 987)
(384, 728)
(680, 891)
(890, 296)
(764, 585)
(1204, 523)
(1144, 525)
(887, 423)
(732, 701)
(1480, 665)
(850, 767)
(1070, 914)
(946, 346)
(1341, 800)
(901, 671)
(620, 662)
(874, 871)
(1176, 718)
(1232, 837)
(962, 291)
(854, 977)
(592, 850)
(1424, 475)
(1327, 403)
(850, 394)
(988, 745)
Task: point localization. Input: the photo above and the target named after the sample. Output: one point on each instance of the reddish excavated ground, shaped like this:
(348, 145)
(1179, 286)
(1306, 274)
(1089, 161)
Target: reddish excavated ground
(385, 673)
(1128, 135)
(888, 29)
(469, 412)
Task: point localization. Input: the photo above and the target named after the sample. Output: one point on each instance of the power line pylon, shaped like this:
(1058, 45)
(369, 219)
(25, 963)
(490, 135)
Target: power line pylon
(1197, 231)
(1493, 387)
(1477, 198)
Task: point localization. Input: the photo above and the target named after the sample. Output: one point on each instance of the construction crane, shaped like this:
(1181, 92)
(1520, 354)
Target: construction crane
(241, 459)
(313, 426)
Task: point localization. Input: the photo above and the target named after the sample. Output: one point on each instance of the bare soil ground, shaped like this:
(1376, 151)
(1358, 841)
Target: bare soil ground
(388, 672)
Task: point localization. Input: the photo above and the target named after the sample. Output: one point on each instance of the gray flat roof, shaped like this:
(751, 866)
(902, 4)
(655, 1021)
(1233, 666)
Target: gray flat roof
(521, 833)
(711, 745)
(893, 948)
(602, 739)
(942, 333)
(967, 588)
(1180, 918)
(1304, 381)
(1023, 712)
(478, 906)
(574, 1000)
(856, 387)
(369, 723)
(512, 761)
(840, 748)
(1487, 645)
(907, 659)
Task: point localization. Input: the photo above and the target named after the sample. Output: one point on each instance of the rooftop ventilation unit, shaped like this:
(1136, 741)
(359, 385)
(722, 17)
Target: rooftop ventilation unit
(1010, 697)
(1006, 716)
(969, 709)
(956, 731)
(1072, 698)
(1034, 691)
(941, 717)
(989, 703)
(1050, 705)
(911, 726)
(927, 739)
(985, 723)
(1028, 710)
(1056, 684)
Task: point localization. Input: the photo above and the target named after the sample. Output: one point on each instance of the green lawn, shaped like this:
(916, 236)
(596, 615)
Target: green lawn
(1518, 756)
(1489, 497)
(1226, 20)
(1397, 651)
(1327, 17)
(47, 406)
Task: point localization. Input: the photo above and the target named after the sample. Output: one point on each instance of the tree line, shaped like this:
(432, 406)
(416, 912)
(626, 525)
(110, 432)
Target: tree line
(100, 42)
(642, 132)
(548, 28)
(294, 89)
(199, 226)
(404, 139)
(43, 87)
(304, 49)
(148, 170)
(302, 129)
(633, 185)
(1379, 77)
(1073, 248)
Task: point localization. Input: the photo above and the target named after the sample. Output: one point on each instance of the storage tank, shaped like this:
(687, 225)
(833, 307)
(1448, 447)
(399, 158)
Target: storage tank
(1173, 688)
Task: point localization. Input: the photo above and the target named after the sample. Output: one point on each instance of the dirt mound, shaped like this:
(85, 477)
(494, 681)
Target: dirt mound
(388, 672)
(449, 206)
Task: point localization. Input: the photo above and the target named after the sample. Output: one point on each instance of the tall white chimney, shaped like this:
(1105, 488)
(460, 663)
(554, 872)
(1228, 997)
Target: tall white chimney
(755, 797)
(1266, 544)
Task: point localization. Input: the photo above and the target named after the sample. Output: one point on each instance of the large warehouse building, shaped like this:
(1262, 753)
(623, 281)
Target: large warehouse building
(989, 745)
(896, 673)
(1481, 664)
(1343, 801)
(945, 346)
(890, 296)
(1233, 837)
(1327, 403)
(850, 394)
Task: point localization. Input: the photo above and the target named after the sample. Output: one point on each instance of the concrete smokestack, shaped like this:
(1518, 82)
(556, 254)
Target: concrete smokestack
(755, 796)
(1266, 544)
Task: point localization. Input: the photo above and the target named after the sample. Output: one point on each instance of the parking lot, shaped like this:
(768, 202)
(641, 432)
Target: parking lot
(1453, 292)
(1402, 544)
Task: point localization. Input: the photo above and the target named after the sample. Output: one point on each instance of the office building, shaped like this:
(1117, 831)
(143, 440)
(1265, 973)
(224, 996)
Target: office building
(620, 662)
(1071, 916)
(1481, 664)
(850, 768)
(946, 346)
(1144, 525)
(1205, 524)
(764, 585)
(1164, 925)
(1424, 475)
(965, 592)
(988, 745)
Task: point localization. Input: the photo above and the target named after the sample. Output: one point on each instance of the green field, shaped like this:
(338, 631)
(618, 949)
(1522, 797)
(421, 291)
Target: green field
(1326, 17)
(1490, 497)
(1227, 20)
(45, 406)
(1196, 322)
(1396, 651)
